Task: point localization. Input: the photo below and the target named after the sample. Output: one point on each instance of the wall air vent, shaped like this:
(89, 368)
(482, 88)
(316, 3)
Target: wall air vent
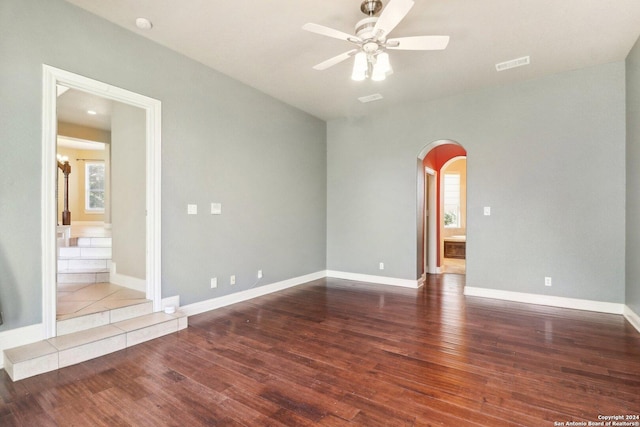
(518, 62)
(370, 98)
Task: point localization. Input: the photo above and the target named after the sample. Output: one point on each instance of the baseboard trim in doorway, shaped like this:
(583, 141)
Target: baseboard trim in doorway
(553, 301)
(632, 317)
(381, 280)
(126, 281)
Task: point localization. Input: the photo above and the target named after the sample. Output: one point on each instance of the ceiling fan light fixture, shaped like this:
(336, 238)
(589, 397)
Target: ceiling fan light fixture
(360, 67)
(381, 68)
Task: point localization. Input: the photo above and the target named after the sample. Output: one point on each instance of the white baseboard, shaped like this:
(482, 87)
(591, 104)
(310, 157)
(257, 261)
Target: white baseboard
(212, 304)
(126, 281)
(20, 336)
(173, 301)
(632, 317)
(381, 280)
(553, 301)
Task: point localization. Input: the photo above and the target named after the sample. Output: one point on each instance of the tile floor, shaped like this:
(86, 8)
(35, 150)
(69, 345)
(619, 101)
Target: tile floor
(78, 299)
(452, 265)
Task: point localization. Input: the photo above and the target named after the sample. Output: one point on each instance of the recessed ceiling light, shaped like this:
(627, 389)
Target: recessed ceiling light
(370, 98)
(143, 24)
(91, 112)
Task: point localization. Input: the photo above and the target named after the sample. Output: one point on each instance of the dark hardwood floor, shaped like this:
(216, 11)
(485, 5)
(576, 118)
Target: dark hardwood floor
(340, 353)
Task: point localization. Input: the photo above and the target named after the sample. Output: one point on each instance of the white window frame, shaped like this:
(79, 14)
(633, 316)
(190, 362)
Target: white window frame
(87, 189)
(459, 201)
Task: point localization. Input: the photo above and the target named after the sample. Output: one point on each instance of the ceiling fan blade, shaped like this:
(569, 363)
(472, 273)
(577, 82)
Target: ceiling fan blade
(336, 59)
(391, 16)
(330, 32)
(418, 43)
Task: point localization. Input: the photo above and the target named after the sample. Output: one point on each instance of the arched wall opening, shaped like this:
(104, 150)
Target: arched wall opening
(431, 160)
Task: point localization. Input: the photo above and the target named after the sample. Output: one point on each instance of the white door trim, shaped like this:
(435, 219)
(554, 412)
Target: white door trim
(52, 77)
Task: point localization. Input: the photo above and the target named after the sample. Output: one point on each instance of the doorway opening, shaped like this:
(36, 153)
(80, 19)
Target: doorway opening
(94, 202)
(442, 215)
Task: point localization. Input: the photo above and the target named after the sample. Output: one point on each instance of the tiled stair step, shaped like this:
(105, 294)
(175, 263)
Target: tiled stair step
(104, 317)
(62, 351)
(98, 275)
(72, 264)
(84, 252)
(93, 242)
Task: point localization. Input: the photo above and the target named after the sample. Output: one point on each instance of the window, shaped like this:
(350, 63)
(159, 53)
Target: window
(452, 200)
(94, 187)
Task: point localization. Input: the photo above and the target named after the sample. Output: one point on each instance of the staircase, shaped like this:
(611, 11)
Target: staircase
(122, 319)
(86, 260)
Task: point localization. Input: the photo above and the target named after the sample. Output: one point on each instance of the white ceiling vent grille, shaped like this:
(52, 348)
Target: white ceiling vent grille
(518, 62)
(370, 98)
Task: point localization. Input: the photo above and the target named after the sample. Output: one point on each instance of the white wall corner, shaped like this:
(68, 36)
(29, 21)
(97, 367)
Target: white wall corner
(126, 281)
(549, 300)
(380, 280)
(632, 317)
(20, 336)
(223, 301)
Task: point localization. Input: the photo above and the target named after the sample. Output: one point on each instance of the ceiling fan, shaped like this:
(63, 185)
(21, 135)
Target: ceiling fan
(371, 58)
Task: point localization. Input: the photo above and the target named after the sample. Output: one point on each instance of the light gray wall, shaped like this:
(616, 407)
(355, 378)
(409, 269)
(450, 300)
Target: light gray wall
(128, 190)
(221, 141)
(633, 179)
(546, 155)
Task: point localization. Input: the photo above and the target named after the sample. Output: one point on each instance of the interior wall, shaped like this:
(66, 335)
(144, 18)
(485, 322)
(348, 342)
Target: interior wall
(128, 190)
(77, 194)
(534, 147)
(633, 179)
(73, 130)
(222, 141)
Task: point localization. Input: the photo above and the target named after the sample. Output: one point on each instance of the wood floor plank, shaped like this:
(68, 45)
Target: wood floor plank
(339, 353)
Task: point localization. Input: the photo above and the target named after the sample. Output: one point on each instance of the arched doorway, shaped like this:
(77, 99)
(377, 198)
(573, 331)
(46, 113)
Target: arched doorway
(433, 161)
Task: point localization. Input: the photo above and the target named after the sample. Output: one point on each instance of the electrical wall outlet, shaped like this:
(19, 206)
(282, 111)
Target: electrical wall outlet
(232, 280)
(259, 274)
(214, 282)
(381, 266)
(547, 281)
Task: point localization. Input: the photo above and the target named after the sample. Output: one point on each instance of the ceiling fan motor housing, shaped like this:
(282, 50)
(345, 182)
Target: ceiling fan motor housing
(364, 28)
(371, 7)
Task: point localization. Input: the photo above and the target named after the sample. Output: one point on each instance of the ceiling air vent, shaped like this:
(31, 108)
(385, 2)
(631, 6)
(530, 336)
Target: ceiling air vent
(518, 62)
(370, 98)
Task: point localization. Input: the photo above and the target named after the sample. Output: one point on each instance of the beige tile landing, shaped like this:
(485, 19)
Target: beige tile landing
(88, 344)
(66, 350)
(107, 312)
(30, 360)
(145, 328)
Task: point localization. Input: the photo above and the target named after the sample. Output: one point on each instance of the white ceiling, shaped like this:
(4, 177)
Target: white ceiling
(72, 106)
(261, 43)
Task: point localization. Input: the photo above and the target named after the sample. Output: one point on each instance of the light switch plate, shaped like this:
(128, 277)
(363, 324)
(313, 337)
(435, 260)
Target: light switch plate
(216, 208)
(192, 209)
(487, 210)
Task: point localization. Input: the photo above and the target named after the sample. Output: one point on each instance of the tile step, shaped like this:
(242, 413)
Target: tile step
(93, 242)
(79, 276)
(66, 350)
(86, 321)
(83, 264)
(66, 252)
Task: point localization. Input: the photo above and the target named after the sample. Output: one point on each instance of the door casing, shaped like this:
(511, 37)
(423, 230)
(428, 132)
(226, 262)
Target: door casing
(51, 78)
